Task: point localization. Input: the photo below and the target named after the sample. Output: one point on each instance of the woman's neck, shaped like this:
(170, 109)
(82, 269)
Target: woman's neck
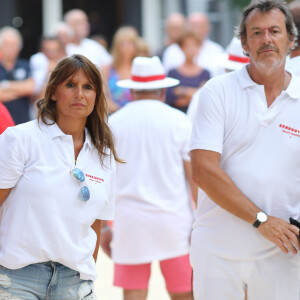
(73, 127)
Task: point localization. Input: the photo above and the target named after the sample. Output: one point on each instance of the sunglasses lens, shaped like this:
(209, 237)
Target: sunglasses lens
(84, 193)
(78, 175)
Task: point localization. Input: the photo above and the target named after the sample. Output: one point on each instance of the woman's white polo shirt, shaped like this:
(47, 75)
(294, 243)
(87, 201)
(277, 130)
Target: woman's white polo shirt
(43, 219)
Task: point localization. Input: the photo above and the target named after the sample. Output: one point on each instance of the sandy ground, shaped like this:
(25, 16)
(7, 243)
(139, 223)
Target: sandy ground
(106, 291)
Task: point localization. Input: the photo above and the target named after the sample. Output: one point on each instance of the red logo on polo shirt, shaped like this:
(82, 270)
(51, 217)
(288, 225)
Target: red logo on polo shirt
(94, 178)
(290, 130)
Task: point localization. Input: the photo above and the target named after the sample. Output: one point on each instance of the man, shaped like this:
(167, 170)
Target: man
(78, 20)
(293, 63)
(174, 29)
(245, 153)
(16, 84)
(153, 206)
(199, 23)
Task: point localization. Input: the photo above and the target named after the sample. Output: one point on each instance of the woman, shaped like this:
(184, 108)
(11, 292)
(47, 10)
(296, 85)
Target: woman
(56, 185)
(191, 76)
(124, 50)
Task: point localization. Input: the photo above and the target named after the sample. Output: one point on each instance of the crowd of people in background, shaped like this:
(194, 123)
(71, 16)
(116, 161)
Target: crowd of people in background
(186, 54)
(154, 188)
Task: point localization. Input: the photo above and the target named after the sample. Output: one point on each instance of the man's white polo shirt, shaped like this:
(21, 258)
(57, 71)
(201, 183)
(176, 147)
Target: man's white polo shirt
(260, 150)
(43, 219)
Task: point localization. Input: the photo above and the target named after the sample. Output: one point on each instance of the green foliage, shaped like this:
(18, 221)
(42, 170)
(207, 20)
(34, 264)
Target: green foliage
(240, 3)
(244, 3)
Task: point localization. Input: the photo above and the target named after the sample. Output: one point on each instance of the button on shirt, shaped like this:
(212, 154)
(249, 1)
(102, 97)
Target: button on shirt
(260, 148)
(43, 218)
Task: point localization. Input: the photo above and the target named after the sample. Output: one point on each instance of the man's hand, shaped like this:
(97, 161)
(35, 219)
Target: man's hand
(281, 233)
(105, 240)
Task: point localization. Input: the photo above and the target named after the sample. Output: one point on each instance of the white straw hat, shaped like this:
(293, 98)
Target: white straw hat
(235, 57)
(147, 74)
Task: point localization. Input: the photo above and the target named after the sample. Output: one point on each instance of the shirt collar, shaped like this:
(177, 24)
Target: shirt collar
(244, 78)
(293, 89)
(55, 131)
(245, 81)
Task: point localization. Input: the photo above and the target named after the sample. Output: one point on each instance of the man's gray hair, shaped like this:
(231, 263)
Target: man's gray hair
(10, 30)
(265, 6)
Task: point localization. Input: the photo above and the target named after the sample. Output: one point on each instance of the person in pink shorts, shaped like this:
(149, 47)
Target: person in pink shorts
(154, 215)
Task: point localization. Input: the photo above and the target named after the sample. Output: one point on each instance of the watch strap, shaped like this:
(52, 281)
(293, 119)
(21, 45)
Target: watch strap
(256, 223)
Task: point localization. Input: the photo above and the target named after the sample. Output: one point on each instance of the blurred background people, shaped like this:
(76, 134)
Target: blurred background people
(234, 59)
(16, 84)
(65, 33)
(80, 44)
(5, 118)
(190, 75)
(43, 62)
(124, 50)
(100, 39)
(293, 63)
(199, 23)
(142, 47)
(174, 28)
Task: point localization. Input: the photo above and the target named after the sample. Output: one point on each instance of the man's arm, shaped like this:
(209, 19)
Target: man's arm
(193, 185)
(16, 89)
(209, 176)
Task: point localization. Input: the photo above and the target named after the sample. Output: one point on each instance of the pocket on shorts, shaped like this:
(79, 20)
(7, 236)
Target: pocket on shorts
(86, 291)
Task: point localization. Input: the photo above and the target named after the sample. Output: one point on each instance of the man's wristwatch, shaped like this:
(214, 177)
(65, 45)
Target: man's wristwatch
(261, 217)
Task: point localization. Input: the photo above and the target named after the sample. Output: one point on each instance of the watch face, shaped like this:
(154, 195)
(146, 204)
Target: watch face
(262, 217)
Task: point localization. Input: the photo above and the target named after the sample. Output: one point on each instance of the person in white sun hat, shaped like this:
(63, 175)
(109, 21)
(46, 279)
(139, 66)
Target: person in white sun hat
(233, 60)
(153, 205)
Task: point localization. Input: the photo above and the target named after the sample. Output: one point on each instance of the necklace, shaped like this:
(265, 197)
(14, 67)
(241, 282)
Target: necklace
(283, 82)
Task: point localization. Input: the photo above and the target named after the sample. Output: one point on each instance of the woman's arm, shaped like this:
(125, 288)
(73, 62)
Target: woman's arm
(97, 228)
(3, 195)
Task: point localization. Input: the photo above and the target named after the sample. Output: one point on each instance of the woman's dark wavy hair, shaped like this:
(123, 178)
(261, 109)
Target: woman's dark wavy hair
(96, 124)
(265, 6)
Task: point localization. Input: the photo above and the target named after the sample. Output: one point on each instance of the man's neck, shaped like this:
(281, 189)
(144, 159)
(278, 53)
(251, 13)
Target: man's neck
(8, 64)
(274, 81)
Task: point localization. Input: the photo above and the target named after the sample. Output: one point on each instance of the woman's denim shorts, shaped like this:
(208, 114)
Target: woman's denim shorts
(44, 281)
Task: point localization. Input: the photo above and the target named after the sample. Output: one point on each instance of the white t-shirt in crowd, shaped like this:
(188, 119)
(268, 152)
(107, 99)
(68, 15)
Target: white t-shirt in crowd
(153, 205)
(95, 52)
(259, 149)
(39, 65)
(43, 219)
(293, 64)
(174, 57)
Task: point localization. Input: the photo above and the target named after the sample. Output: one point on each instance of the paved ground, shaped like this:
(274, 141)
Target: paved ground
(106, 291)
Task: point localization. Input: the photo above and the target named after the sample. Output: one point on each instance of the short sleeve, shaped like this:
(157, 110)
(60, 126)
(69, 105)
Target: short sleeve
(12, 158)
(208, 124)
